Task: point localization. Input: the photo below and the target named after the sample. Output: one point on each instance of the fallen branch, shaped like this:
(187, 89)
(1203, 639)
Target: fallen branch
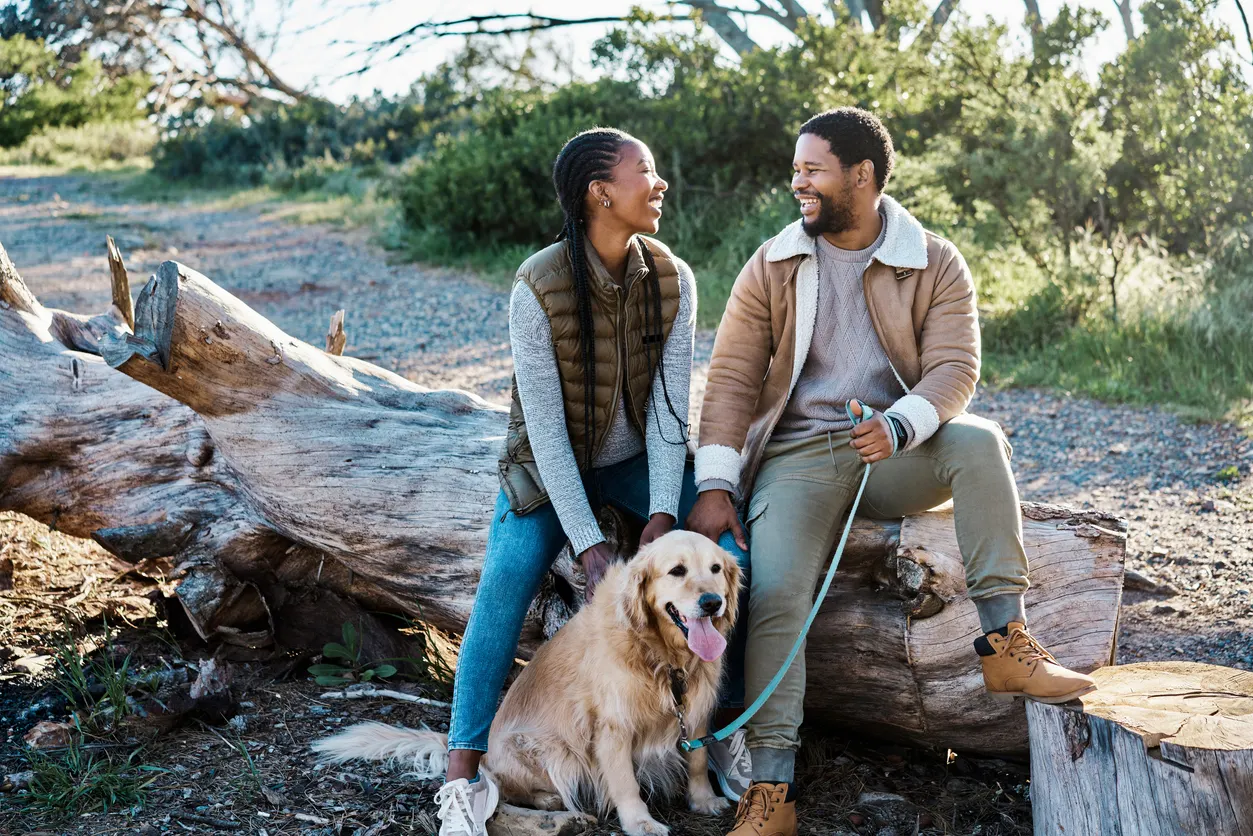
(220, 824)
(360, 693)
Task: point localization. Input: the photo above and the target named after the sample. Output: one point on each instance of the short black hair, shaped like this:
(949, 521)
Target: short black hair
(855, 135)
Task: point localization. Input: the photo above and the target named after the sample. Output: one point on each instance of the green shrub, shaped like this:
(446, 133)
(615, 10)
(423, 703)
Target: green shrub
(38, 92)
(94, 145)
(237, 149)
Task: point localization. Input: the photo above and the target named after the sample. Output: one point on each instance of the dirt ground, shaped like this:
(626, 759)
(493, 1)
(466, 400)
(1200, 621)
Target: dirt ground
(1187, 490)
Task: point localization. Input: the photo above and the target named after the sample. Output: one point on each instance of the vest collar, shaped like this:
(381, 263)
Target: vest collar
(636, 267)
(904, 242)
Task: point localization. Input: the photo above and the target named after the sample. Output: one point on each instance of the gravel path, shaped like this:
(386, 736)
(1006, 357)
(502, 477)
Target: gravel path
(1191, 531)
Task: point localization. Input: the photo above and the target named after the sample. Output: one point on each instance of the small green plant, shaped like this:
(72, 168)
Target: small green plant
(351, 669)
(1230, 473)
(98, 686)
(81, 780)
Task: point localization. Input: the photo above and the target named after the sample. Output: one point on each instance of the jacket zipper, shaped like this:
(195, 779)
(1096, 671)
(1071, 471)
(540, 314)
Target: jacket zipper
(617, 383)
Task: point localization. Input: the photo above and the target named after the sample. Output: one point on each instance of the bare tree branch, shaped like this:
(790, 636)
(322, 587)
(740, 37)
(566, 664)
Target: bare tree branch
(1034, 21)
(721, 22)
(721, 17)
(1128, 23)
(943, 12)
(1248, 34)
(929, 34)
(196, 12)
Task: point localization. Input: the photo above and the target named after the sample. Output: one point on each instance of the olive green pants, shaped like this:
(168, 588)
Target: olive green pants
(795, 515)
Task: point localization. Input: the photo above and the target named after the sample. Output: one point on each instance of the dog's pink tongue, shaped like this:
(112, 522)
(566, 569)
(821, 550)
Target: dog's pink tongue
(705, 641)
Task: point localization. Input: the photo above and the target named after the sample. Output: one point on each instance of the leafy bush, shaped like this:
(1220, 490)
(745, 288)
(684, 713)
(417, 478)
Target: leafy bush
(278, 138)
(88, 146)
(38, 92)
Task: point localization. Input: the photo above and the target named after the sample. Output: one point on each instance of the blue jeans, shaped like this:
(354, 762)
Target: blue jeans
(520, 551)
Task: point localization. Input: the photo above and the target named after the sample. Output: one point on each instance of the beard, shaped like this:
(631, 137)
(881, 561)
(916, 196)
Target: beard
(835, 214)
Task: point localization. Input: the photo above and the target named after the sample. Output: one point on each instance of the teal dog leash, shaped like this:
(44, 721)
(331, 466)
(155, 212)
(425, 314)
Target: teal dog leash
(722, 734)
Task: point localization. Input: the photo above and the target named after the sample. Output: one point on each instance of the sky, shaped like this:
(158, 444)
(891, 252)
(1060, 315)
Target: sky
(321, 35)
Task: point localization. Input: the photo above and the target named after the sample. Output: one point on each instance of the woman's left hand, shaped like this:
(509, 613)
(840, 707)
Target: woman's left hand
(658, 524)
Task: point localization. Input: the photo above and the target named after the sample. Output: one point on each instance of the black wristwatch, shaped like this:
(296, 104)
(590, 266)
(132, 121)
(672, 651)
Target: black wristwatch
(898, 430)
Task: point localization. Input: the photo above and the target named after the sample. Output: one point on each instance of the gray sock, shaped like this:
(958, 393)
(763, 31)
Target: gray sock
(998, 610)
(773, 766)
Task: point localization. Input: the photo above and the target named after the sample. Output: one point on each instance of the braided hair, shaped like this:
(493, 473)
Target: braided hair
(588, 156)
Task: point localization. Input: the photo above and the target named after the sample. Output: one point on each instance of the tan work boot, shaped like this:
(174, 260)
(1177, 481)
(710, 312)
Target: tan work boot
(764, 811)
(1016, 665)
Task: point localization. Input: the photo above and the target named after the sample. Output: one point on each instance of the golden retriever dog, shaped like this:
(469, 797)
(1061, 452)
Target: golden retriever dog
(593, 715)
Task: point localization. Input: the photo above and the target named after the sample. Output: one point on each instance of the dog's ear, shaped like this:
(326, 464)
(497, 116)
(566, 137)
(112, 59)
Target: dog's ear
(734, 577)
(633, 605)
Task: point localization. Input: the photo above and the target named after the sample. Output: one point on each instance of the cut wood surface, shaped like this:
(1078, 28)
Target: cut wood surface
(296, 489)
(1159, 749)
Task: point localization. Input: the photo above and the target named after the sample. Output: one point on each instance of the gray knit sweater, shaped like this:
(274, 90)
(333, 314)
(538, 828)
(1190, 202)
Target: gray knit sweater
(539, 388)
(845, 358)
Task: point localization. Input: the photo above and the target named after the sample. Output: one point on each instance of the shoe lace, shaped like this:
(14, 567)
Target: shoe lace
(1023, 647)
(456, 810)
(736, 747)
(754, 805)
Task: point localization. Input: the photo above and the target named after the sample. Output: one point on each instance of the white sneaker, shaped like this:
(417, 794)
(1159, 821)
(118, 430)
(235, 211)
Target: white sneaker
(732, 765)
(464, 808)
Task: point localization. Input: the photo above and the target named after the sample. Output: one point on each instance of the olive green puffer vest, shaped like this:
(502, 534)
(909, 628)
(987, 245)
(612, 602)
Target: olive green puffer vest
(620, 317)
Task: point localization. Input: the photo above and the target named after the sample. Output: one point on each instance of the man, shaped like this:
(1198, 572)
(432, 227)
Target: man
(854, 303)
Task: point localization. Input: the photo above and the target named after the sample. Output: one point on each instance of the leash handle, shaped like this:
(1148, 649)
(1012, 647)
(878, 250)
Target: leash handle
(722, 734)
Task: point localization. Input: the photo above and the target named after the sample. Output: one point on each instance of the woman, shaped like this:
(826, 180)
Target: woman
(601, 325)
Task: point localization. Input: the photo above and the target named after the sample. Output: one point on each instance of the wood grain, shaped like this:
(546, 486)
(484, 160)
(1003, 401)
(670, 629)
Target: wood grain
(1161, 748)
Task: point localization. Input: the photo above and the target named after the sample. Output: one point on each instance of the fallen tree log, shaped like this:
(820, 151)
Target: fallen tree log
(1161, 748)
(297, 489)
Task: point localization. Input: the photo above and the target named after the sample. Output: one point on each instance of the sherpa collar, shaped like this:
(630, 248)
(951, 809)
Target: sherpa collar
(904, 244)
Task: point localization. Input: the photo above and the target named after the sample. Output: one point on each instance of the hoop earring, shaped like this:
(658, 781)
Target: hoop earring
(605, 203)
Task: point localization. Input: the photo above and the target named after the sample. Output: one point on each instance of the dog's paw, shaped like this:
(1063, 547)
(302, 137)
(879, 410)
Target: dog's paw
(645, 827)
(712, 805)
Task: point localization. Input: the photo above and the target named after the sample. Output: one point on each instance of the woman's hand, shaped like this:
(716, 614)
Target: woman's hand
(658, 525)
(595, 561)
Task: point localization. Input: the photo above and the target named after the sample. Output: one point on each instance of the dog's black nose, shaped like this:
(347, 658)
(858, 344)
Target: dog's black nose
(709, 603)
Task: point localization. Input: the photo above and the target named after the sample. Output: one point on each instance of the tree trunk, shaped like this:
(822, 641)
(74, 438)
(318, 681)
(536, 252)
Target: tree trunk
(1034, 21)
(1161, 748)
(296, 490)
(1128, 22)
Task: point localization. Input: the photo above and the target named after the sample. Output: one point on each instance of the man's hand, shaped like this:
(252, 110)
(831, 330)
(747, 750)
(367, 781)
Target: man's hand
(658, 525)
(595, 561)
(714, 513)
(871, 439)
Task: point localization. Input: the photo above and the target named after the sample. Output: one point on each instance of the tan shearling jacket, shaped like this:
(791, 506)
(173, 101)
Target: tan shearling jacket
(921, 300)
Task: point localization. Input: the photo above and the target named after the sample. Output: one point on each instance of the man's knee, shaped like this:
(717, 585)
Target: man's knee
(779, 595)
(973, 438)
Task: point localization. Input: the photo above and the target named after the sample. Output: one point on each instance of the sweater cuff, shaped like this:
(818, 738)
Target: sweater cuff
(583, 538)
(715, 485)
(668, 504)
(920, 418)
(717, 461)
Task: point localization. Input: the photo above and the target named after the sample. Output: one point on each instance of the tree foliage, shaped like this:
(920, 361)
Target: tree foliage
(38, 90)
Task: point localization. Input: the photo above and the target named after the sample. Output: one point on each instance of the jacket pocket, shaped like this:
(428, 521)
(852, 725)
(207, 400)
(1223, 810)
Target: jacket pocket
(522, 486)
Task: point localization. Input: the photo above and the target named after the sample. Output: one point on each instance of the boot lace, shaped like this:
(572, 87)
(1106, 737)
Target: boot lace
(456, 810)
(1024, 648)
(754, 806)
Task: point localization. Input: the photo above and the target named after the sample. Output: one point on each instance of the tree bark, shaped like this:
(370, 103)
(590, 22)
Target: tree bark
(1034, 21)
(1128, 22)
(296, 490)
(1160, 748)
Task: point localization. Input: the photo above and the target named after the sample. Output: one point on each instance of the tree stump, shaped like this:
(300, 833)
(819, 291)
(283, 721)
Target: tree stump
(1159, 749)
